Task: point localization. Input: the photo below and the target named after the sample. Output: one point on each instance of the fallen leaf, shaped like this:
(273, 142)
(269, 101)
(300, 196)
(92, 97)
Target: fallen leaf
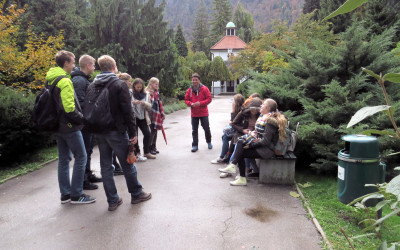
(294, 194)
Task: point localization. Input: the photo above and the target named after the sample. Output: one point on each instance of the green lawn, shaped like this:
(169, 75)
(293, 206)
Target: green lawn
(333, 215)
(32, 163)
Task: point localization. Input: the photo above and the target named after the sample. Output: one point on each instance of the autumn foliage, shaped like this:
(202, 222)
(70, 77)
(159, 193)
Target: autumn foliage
(24, 68)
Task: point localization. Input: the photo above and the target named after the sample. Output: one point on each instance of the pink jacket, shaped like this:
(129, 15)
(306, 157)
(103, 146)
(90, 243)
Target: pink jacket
(203, 96)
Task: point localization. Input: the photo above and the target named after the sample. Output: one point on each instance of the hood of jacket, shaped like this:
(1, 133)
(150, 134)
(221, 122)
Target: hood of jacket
(105, 77)
(79, 73)
(272, 121)
(55, 72)
(196, 91)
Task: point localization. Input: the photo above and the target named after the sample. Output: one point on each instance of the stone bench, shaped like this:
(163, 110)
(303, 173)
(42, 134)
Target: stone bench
(277, 170)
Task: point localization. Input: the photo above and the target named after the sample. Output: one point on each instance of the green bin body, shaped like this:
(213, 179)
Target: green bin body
(359, 164)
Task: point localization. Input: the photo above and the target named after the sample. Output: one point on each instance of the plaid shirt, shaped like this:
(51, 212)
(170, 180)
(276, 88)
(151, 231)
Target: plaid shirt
(157, 111)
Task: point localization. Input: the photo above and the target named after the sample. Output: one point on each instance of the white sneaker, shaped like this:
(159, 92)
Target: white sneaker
(141, 158)
(230, 169)
(216, 161)
(224, 175)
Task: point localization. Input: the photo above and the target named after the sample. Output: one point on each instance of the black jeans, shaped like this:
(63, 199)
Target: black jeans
(153, 137)
(88, 141)
(240, 153)
(142, 124)
(195, 129)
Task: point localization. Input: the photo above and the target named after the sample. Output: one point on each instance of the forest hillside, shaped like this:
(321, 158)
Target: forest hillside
(263, 11)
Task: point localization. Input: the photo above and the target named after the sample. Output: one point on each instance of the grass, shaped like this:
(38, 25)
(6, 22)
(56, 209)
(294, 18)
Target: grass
(172, 107)
(333, 215)
(32, 163)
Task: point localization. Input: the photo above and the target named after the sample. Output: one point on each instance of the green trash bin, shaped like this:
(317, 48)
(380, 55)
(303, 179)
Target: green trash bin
(359, 164)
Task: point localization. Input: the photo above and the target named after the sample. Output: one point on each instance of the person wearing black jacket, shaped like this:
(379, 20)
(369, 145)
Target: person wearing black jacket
(80, 79)
(118, 137)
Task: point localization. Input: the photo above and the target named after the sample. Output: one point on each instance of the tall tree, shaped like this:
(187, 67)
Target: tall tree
(244, 22)
(200, 30)
(381, 15)
(180, 42)
(340, 23)
(310, 6)
(50, 17)
(222, 15)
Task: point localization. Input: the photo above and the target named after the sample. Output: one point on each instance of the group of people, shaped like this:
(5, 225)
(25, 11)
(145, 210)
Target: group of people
(131, 105)
(255, 127)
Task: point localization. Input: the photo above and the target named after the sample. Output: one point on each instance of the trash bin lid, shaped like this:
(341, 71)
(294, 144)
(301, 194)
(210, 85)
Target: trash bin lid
(361, 146)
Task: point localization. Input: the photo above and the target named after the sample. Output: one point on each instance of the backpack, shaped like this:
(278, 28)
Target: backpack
(45, 114)
(97, 110)
(289, 144)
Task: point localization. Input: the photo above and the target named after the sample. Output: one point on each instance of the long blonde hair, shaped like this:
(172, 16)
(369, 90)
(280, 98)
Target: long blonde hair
(279, 117)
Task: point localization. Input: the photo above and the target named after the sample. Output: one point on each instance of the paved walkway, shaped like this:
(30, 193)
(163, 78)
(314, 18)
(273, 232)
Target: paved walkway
(191, 208)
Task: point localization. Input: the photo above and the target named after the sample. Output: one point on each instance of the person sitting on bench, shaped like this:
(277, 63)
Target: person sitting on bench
(270, 127)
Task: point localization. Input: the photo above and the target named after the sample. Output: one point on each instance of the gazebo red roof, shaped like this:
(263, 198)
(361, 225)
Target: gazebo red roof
(229, 42)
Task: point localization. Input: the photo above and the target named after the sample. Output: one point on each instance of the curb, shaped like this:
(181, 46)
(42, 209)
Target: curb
(41, 165)
(315, 221)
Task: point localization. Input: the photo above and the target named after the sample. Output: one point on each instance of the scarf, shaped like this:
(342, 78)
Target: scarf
(139, 95)
(157, 111)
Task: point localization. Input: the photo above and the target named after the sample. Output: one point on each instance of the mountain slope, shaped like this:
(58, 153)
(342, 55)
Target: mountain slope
(263, 11)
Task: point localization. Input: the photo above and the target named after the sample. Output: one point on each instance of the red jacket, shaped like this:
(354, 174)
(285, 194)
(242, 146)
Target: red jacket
(203, 96)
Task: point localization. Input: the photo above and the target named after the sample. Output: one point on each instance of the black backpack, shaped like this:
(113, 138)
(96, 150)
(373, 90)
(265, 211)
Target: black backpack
(96, 109)
(45, 114)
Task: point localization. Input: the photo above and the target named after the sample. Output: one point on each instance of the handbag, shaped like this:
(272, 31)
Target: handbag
(229, 131)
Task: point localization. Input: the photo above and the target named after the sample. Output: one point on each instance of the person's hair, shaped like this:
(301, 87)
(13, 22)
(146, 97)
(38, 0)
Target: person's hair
(124, 76)
(255, 95)
(63, 56)
(106, 63)
(282, 121)
(196, 75)
(85, 60)
(136, 82)
(239, 100)
(254, 102)
(153, 80)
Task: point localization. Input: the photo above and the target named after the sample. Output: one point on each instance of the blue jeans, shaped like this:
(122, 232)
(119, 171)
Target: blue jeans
(68, 143)
(225, 145)
(117, 142)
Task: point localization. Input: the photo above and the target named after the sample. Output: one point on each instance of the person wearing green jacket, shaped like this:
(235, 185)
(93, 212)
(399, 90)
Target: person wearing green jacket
(69, 136)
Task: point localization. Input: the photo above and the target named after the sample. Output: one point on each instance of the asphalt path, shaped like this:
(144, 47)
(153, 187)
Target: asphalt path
(191, 207)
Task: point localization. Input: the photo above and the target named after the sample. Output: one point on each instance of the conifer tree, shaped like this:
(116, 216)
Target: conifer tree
(200, 30)
(310, 6)
(341, 22)
(244, 22)
(222, 15)
(181, 42)
(381, 15)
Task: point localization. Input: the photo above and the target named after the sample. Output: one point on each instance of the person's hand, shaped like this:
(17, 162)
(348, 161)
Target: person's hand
(136, 102)
(246, 131)
(133, 140)
(230, 123)
(246, 147)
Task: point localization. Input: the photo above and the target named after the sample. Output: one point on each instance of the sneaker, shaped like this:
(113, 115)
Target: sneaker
(65, 198)
(115, 205)
(94, 178)
(150, 156)
(209, 145)
(226, 158)
(224, 175)
(83, 199)
(156, 150)
(216, 161)
(194, 148)
(153, 152)
(140, 158)
(141, 197)
(230, 169)
(89, 186)
(241, 181)
(118, 172)
(253, 175)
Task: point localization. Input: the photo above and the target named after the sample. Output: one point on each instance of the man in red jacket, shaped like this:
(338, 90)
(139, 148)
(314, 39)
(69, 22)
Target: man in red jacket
(197, 98)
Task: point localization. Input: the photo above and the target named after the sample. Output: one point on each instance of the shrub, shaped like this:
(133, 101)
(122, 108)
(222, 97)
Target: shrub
(18, 136)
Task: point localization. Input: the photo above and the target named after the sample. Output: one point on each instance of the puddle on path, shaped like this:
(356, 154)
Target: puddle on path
(261, 213)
